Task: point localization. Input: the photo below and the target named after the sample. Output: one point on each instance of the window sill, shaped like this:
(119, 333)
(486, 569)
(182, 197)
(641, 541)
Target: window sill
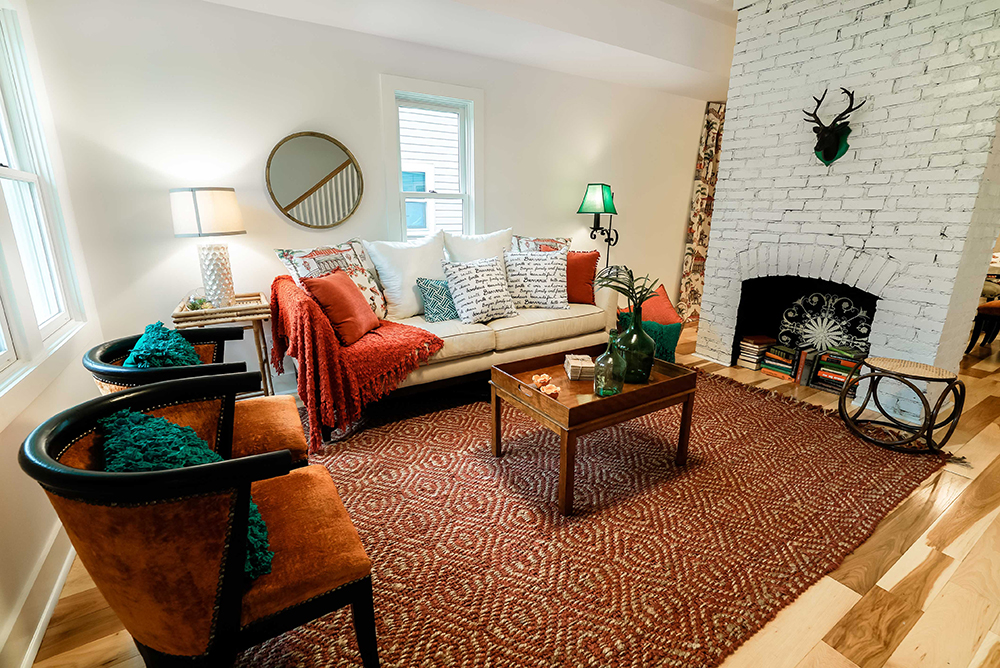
(28, 380)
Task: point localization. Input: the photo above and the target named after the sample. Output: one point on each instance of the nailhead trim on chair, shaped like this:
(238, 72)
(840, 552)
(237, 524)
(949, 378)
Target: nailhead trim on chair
(300, 603)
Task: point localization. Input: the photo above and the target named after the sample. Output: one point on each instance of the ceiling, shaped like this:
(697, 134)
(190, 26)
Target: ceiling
(679, 46)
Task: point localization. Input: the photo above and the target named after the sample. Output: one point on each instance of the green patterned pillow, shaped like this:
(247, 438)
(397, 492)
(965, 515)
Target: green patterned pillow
(665, 336)
(438, 304)
(139, 442)
(159, 346)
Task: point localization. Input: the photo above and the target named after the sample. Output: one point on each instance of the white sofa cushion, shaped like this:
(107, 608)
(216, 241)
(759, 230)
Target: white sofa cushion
(536, 325)
(400, 264)
(460, 340)
(469, 247)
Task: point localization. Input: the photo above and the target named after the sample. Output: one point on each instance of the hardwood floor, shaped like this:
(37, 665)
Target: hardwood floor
(922, 592)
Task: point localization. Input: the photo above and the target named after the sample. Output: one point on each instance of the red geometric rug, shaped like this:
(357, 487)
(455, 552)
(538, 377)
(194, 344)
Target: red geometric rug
(661, 566)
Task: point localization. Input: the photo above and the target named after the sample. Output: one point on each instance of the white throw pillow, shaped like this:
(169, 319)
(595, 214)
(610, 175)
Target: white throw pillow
(399, 264)
(469, 247)
(537, 279)
(479, 290)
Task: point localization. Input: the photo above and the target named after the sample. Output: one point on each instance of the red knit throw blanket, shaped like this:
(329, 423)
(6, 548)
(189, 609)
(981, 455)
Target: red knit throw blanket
(337, 382)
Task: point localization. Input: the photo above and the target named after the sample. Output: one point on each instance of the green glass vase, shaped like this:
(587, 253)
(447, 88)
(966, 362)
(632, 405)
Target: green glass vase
(638, 349)
(609, 370)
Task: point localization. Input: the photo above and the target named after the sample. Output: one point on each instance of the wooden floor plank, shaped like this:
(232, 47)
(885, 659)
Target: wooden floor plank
(974, 419)
(824, 656)
(988, 655)
(980, 570)
(78, 631)
(794, 632)
(922, 584)
(949, 633)
(873, 628)
(117, 650)
(898, 531)
(975, 505)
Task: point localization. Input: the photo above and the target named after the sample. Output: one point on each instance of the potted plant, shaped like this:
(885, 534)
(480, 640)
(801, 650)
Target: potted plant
(635, 345)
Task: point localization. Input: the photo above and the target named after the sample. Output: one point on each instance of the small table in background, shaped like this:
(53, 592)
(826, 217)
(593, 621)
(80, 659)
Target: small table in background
(252, 308)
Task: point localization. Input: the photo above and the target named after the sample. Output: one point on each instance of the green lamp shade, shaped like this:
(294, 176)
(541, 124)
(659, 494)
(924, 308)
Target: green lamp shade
(598, 199)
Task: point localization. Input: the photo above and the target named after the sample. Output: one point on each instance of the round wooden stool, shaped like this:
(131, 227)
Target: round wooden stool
(914, 438)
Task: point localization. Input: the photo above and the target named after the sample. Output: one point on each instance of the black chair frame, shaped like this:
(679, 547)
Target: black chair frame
(98, 360)
(988, 326)
(38, 457)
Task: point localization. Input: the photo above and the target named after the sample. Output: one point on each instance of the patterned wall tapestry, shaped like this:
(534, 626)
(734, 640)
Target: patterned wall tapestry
(705, 175)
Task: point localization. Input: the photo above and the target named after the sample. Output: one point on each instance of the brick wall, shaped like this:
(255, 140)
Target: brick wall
(910, 213)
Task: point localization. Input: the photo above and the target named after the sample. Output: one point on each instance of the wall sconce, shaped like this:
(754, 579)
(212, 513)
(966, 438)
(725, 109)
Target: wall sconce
(597, 200)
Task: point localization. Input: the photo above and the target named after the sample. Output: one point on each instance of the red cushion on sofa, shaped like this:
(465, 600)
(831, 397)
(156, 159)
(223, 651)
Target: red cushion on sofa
(658, 308)
(581, 268)
(344, 305)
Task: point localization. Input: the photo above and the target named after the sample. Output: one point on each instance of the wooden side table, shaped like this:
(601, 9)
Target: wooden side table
(252, 308)
(911, 436)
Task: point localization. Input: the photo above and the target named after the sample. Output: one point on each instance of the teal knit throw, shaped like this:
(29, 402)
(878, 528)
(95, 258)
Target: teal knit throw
(139, 442)
(665, 336)
(159, 346)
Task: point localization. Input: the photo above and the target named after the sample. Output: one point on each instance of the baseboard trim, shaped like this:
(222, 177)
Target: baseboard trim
(37, 604)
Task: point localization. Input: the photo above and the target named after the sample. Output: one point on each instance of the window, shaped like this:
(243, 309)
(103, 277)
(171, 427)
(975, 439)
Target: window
(34, 303)
(436, 144)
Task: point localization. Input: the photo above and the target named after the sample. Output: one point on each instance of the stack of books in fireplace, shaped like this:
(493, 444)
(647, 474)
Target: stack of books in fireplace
(834, 366)
(752, 351)
(780, 362)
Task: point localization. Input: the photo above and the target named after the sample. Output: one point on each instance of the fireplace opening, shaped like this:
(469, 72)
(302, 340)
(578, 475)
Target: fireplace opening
(800, 311)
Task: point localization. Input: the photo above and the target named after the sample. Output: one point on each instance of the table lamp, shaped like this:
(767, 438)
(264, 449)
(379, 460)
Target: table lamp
(597, 200)
(209, 212)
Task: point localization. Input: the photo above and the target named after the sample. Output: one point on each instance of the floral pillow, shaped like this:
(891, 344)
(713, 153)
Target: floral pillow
(316, 262)
(534, 244)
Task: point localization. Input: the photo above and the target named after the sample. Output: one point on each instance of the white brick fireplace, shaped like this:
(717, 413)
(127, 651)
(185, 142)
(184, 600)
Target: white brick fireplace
(910, 213)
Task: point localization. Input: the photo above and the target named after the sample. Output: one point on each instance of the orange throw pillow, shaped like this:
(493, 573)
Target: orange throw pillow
(581, 268)
(343, 304)
(658, 308)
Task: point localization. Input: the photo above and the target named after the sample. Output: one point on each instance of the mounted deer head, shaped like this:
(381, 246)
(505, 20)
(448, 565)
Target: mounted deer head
(831, 140)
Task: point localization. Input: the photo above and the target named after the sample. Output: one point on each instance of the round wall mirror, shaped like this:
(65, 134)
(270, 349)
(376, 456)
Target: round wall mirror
(313, 179)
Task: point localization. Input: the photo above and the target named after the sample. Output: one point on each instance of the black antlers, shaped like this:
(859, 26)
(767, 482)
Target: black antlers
(831, 140)
(812, 117)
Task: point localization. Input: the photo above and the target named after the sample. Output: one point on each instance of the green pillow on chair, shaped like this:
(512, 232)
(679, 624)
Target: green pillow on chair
(139, 442)
(665, 336)
(159, 346)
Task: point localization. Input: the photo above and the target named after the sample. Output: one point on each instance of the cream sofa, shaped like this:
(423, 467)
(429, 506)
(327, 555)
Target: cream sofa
(533, 332)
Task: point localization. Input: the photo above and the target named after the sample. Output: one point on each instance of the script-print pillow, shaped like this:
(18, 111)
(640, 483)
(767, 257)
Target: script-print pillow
(529, 244)
(537, 279)
(479, 290)
(316, 262)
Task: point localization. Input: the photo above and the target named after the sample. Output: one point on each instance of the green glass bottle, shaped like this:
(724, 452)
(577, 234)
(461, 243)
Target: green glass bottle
(638, 349)
(609, 369)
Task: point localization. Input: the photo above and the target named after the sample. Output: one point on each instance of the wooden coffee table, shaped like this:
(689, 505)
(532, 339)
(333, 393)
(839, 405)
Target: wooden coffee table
(578, 411)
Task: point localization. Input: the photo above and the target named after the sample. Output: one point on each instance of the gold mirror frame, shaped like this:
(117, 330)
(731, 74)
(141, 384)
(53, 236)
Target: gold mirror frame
(283, 210)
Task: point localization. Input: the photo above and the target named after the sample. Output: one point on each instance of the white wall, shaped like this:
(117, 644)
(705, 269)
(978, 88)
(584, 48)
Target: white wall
(150, 95)
(33, 547)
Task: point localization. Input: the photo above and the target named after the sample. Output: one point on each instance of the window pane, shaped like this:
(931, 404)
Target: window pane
(427, 216)
(34, 248)
(414, 182)
(431, 137)
(416, 214)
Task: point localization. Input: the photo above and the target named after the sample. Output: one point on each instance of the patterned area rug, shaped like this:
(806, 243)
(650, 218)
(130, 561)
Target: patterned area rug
(660, 566)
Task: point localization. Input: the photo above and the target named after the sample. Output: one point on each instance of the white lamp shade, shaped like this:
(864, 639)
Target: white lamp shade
(205, 212)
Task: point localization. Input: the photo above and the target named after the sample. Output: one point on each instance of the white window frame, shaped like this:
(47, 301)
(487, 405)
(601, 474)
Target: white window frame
(29, 343)
(471, 104)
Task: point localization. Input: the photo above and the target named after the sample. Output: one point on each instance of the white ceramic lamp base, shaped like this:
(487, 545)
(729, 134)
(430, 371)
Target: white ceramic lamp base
(216, 275)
